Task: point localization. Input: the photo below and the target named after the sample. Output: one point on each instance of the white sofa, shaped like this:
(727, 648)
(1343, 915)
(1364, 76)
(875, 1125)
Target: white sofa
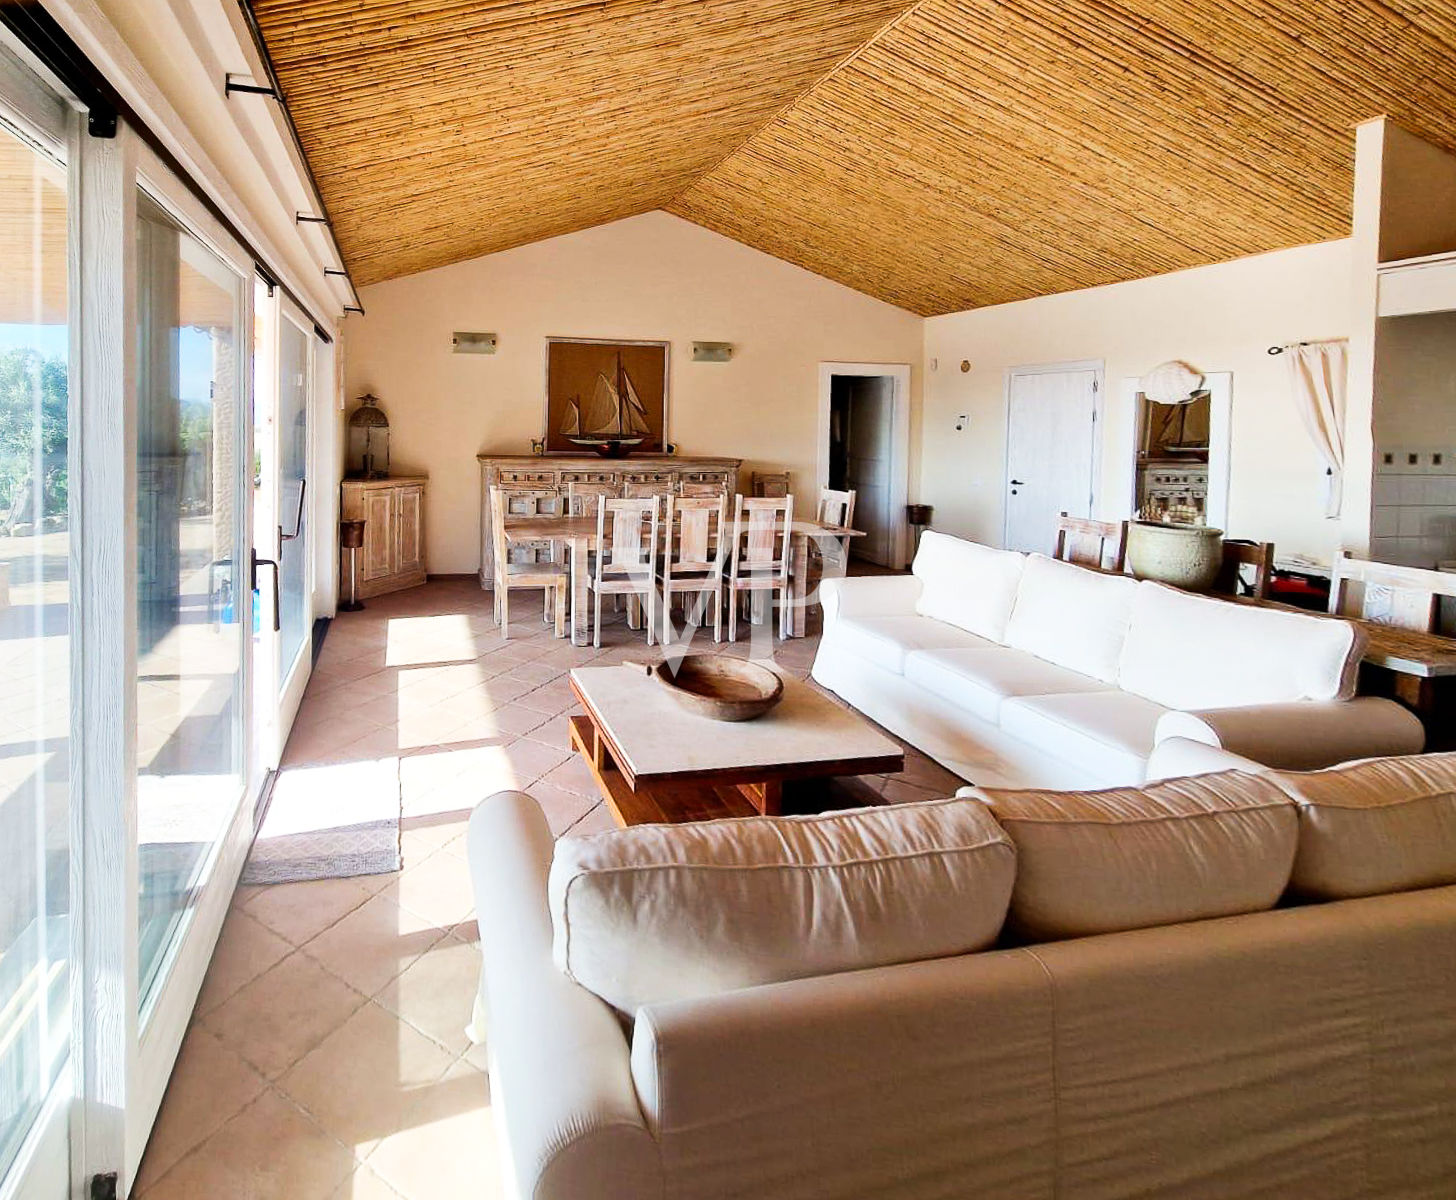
(1305, 1051)
(1018, 670)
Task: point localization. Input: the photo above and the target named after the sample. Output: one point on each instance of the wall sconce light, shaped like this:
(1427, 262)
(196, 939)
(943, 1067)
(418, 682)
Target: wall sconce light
(472, 343)
(712, 351)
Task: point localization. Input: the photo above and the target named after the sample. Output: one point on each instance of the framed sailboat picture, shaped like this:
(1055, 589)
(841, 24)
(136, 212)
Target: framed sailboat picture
(607, 397)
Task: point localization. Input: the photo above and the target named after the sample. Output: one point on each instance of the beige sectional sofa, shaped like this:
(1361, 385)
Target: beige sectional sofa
(1306, 1050)
(1017, 669)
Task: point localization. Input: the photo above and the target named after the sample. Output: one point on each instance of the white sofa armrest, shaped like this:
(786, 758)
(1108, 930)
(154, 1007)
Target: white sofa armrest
(1176, 757)
(560, 1064)
(1302, 735)
(869, 596)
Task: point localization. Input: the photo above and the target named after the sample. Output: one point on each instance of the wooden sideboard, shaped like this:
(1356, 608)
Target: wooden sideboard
(393, 512)
(556, 472)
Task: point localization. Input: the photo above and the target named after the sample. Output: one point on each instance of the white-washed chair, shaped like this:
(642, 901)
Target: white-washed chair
(692, 558)
(836, 509)
(759, 555)
(1089, 543)
(773, 485)
(698, 490)
(551, 577)
(581, 498)
(1404, 597)
(626, 557)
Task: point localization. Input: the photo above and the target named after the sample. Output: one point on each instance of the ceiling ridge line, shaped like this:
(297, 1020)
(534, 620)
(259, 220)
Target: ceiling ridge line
(888, 27)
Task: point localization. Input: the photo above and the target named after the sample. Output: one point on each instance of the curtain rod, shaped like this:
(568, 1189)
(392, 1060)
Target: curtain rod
(43, 35)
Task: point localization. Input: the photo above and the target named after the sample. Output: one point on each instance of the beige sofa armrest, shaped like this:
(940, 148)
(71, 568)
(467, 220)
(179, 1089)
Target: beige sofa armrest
(869, 596)
(561, 1079)
(1304, 735)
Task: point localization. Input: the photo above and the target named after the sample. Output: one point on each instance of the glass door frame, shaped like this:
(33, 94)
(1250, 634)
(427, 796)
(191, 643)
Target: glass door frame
(44, 115)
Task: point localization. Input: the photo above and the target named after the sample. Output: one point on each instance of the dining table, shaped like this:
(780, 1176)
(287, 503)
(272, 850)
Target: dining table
(578, 535)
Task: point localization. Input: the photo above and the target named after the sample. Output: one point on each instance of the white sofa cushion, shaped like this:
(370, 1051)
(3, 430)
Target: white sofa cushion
(1196, 652)
(667, 912)
(885, 641)
(977, 681)
(1071, 616)
(1110, 734)
(1385, 825)
(1180, 850)
(966, 584)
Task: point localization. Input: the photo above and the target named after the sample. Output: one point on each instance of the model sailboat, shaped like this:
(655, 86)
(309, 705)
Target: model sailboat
(615, 419)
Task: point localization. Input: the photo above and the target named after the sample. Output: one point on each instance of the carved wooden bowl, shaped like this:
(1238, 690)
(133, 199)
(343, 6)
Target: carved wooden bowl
(725, 689)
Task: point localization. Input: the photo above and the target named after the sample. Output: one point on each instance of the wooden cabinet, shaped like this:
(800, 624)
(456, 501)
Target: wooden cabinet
(393, 512)
(409, 530)
(555, 473)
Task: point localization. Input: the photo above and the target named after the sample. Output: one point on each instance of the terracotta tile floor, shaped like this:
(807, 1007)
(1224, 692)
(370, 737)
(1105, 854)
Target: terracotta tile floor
(327, 1056)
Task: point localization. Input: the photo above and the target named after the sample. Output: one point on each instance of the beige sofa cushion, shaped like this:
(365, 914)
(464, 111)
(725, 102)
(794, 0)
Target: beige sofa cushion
(669, 912)
(1072, 616)
(1180, 850)
(1385, 825)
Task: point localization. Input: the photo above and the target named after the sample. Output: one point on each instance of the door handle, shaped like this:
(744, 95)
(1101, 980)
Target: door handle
(1018, 483)
(268, 562)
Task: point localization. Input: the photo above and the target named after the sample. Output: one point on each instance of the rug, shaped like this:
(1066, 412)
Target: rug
(329, 821)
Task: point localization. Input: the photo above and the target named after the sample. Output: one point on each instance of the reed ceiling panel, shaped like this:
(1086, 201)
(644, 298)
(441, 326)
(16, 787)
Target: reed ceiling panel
(978, 152)
(440, 130)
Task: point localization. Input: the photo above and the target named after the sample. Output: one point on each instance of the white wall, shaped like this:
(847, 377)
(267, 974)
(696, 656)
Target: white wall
(647, 277)
(1218, 318)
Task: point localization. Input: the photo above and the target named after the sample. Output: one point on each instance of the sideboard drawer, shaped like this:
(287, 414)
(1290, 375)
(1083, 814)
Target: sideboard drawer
(650, 476)
(591, 477)
(532, 477)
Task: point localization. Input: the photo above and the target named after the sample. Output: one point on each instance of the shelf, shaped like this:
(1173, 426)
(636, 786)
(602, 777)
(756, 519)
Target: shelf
(1417, 285)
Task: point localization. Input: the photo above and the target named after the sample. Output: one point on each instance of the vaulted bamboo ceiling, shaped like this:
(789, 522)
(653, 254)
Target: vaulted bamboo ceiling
(941, 155)
(440, 130)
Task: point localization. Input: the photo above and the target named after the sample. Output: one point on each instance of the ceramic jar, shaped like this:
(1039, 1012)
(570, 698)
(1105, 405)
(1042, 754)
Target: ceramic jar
(1185, 556)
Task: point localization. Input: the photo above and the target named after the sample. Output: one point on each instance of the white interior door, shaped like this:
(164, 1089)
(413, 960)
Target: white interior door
(871, 444)
(1050, 449)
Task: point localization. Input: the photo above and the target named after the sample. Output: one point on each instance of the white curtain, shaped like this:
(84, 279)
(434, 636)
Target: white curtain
(1317, 372)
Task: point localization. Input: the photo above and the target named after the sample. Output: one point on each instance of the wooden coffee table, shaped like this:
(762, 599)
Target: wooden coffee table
(657, 763)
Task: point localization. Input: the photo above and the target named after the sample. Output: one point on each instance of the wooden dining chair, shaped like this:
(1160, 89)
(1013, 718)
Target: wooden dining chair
(1089, 543)
(771, 484)
(1237, 555)
(692, 558)
(1404, 597)
(551, 577)
(626, 557)
(759, 555)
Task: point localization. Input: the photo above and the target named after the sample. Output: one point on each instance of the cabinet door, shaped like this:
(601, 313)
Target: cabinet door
(408, 533)
(378, 553)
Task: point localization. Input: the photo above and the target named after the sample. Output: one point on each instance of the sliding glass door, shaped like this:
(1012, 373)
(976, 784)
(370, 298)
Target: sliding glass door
(35, 595)
(147, 680)
(295, 371)
(283, 534)
(192, 569)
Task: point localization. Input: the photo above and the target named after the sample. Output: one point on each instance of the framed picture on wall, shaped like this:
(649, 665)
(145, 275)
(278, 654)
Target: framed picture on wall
(605, 396)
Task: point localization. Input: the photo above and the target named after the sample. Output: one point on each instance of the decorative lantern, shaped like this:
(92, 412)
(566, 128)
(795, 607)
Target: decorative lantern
(368, 441)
